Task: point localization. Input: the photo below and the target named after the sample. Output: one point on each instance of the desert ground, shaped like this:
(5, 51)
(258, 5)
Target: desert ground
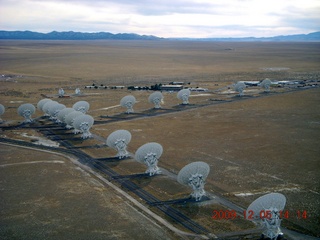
(256, 144)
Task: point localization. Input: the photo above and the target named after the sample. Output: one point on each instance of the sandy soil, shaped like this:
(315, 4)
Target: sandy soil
(45, 196)
(254, 145)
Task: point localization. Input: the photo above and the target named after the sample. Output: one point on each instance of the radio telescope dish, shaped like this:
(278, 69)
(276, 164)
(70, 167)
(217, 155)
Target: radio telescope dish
(2, 110)
(47, 106)
(54, 110)
(61, 117)
(77, 91)
(69, 118)
(194, 175)
(83, 122)
(149, 155)
(81, 106)
(61, 92)
(266, 211)
(26, 110)
(266, 84)
(239, 87)
(184, 96)
(42, 102)
(128, 102)
(119, 141)
(156, 98)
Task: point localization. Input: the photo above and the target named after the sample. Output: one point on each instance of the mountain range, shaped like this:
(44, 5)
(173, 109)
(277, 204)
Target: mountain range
(29, 35)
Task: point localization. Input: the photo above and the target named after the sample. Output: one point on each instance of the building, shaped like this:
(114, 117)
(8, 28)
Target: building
(171, 87)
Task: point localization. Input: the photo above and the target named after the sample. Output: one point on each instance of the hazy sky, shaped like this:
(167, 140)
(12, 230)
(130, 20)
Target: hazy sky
(164, 18)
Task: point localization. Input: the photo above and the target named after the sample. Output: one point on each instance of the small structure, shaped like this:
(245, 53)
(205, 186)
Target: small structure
(119, 141)
(171, 87)
(176, 83)
(198, 89)
(149, 155)
(91, 87)
(194, 175)
(26, 110)
(251, 83)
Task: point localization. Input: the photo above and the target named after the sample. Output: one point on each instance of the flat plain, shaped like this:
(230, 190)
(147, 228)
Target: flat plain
(254, 145)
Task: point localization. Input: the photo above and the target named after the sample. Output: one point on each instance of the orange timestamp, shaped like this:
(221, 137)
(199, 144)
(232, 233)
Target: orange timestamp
(263, 214)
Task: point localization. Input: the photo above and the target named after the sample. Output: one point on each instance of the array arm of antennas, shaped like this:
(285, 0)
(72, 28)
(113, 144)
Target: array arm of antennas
(193, 175)
(74, 117)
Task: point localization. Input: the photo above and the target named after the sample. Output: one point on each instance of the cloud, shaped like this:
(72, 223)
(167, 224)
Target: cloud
(164, 18)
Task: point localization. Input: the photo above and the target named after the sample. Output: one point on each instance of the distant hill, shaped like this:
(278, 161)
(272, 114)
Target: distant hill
(311, 37)
(29, 35)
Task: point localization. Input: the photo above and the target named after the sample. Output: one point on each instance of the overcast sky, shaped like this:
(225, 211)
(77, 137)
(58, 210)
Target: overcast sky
(164, 18)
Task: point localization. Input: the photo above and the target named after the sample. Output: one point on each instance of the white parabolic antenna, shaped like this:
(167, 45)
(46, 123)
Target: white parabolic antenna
(62, 114)
(61, 92)
(54, 110)
(266, 211)
(47, 105)
(266, 84)
(84, 123)
(239, 87)
(184, 95)
(156, 98)
(81, 106)
(77, 91)
(119, 141)
(69, 118)
(128, 102)
(149, 155)
(2, 110)
(26, 110)
(194, 175)
(42, 102)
